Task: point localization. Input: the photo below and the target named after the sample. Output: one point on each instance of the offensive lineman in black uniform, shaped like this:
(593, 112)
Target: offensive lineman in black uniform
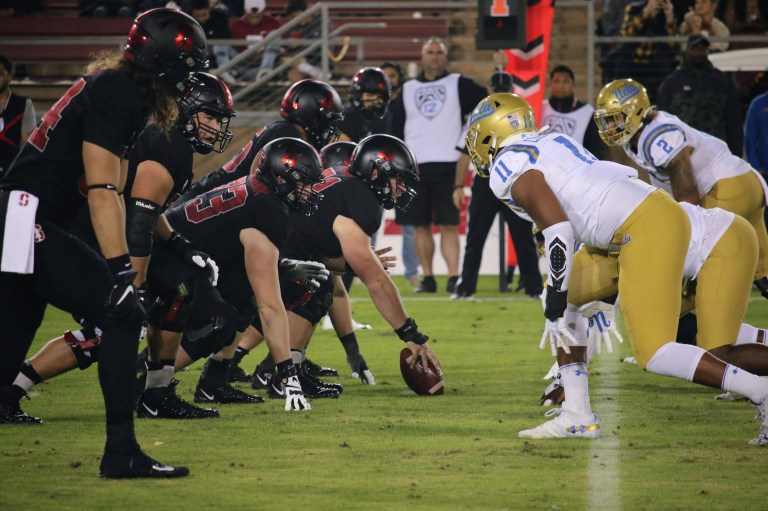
(339, 235)
(85, 135)
(242, 224)
(159, 170)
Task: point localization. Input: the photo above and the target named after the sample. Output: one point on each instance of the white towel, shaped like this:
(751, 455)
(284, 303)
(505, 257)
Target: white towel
(19, 235)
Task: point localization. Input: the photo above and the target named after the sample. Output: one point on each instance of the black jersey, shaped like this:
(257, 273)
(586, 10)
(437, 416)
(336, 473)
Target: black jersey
(312, 236)
(213, 220)
(106, 109)
(240, 165)
(171, 150)
(357, 127)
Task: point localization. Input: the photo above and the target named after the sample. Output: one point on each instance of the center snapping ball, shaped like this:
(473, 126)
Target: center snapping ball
(424, 382)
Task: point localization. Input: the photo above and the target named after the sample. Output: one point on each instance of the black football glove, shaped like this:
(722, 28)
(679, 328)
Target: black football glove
(189, 253)
(123, 302)
(360, 369)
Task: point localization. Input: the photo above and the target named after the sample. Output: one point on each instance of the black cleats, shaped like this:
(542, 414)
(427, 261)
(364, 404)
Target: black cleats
(224, 394)
(163, 403)
(237, 375)
(119, 465)
(11, 413)
(450, 287)
(262, 374)
(317, 389)
(317, 370)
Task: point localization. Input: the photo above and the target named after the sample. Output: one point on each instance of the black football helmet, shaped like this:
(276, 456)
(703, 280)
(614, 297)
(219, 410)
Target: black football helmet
(388, 157)
(169, 43)
(337, 155)
(316, 107)
(372, 80)
(290, 167)
(209, 94)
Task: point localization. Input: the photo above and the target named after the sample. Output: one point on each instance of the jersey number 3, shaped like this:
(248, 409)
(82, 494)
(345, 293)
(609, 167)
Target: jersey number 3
(217, 201)
(40, 136)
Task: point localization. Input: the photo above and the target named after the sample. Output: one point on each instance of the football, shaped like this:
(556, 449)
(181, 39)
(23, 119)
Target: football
(423, 381)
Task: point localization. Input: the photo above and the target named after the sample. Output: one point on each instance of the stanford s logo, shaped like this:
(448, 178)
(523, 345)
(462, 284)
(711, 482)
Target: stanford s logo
(39, 233)
(430, 100)
(23, 199)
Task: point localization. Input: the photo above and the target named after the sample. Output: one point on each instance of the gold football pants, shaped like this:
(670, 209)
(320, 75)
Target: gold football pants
(646, 272)
(744, 196)
(723, 286)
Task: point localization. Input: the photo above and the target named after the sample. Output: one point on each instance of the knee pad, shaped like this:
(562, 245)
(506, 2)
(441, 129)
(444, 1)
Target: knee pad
(202, 342)
(84, 344)
(317, 306)
(171, 312)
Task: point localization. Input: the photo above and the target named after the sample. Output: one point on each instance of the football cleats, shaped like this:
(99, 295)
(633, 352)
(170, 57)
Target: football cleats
(620, 110)
(494, 120)
(373, 81)
(290, 167)
(337, 155)
(316, 107)
(169, 43)
(379, 158)
(209, 94)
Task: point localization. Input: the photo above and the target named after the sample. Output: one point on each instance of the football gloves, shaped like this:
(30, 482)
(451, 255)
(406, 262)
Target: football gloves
(295, 400)
(602, 325)
(557, 334)
(360, 369)
(189, 253)
(310, 271)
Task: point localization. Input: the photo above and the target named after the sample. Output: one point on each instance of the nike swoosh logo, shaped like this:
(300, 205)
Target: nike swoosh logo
(150, 410)
(207, 395)
(279, 391)
(163, 468)
(263, 381)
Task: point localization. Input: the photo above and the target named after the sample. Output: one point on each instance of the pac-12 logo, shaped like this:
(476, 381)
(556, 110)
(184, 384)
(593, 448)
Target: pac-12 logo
(430, 100)
(625, 92)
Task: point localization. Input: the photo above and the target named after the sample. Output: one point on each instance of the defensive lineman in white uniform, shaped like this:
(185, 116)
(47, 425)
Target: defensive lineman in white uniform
(570, 195)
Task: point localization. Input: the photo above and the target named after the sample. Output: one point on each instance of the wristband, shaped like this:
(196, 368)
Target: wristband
(555, 303)
(409, 332)
(120, 266)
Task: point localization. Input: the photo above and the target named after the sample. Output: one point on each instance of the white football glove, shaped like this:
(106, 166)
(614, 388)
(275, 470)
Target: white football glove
(295, 400)
(602, 319)
(209, 265)
(310, 271)
(556, 332)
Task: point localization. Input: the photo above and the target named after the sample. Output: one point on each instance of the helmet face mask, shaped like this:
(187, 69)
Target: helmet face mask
(370, 81)
(620, 110)
(494, 120)
(380, 160)
(168, 43)
(206, 96)
(316, 107)
(291, 167)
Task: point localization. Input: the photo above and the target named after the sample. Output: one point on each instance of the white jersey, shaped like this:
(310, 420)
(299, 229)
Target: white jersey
(433, 124)
(707, 227)
(666, 135)
(597, 196)
(574, 123)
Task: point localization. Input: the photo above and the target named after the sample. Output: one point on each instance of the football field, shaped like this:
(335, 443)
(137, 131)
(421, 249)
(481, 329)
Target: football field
(666, 444)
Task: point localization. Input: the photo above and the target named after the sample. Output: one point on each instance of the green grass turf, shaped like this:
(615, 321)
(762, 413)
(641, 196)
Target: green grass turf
(666, 443)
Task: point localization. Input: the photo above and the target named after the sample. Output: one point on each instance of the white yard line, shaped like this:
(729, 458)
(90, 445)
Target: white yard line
(603, 464)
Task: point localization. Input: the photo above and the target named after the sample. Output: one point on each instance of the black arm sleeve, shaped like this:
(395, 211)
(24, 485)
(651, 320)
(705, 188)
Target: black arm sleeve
(141, 220)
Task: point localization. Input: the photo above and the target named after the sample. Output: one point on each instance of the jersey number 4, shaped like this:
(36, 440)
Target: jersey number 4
(40, 136)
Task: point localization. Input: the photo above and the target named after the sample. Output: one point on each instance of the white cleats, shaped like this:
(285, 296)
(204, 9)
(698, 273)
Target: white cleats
(566, 425)
(327, 325)
(761, 440)
(730, 396)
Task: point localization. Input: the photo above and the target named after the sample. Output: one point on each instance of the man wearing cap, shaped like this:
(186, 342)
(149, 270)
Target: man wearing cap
(702, 96)
(254, 25)
(563, 113)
